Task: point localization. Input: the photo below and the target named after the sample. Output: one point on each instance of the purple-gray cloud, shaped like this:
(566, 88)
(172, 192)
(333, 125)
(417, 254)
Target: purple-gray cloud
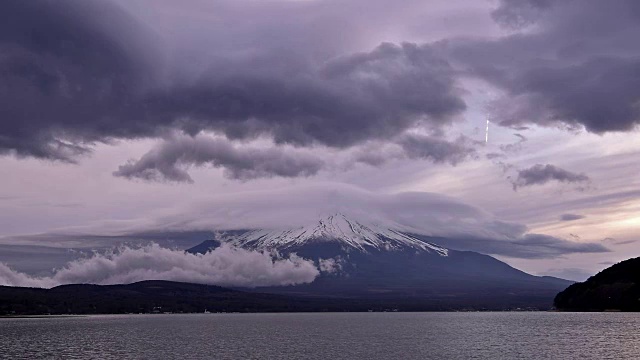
(91, 84)
(523, 246)
(556, 69)
(98, 73)
(436, 149)
(63, 69)
(571, 217)
(169, 160)
(541, 174)
(513, 147)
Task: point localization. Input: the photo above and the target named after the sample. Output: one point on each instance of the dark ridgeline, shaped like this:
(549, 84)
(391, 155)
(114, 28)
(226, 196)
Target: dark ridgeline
(615, 288)
(156, 296)
(153, 296)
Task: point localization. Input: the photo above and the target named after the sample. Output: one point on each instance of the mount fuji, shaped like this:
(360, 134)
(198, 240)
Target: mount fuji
(376, 260)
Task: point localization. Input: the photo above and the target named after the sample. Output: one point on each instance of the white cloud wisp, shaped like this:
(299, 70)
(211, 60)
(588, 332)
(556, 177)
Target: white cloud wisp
(224, 266)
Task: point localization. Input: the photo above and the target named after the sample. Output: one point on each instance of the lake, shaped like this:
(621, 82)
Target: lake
(483, 335)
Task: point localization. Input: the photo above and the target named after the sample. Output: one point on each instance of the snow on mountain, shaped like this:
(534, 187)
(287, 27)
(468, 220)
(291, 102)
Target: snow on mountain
(364, 237)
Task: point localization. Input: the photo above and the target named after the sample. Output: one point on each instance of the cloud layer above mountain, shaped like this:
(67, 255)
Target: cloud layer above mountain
(448, 221)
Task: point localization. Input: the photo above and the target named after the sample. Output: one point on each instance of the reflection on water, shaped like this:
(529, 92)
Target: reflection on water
(326, 336)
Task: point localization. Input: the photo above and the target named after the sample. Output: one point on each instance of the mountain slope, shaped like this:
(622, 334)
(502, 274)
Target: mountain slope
(378, 261)
(615, 288)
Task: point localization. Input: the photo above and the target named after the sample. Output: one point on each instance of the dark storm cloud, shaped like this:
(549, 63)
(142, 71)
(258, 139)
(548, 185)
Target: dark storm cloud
(575, 63)
(168, 161)
(73, 74)
(493, 156)
(571, 217)
(62, 71)
(76, 73)
(516, 14)
(171, 159)
(348, 100)
(541, 174)
(513, 147)
(436, 149)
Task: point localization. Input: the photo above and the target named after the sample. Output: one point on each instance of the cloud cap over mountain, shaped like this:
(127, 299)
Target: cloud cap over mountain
(444, 220)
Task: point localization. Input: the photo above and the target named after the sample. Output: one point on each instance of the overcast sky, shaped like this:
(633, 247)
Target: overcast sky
(128, 116)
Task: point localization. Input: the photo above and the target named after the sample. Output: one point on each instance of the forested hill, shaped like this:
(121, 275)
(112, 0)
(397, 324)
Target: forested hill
(615, 288)
(156, 296)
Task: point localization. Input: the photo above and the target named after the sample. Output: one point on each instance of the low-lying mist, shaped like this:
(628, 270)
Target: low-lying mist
(224, 266)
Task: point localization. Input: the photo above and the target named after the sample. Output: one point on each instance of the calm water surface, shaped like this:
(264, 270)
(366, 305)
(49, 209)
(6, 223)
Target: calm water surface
(326, 336)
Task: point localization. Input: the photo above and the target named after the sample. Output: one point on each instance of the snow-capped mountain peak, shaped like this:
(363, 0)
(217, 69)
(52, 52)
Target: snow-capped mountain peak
(338, 228)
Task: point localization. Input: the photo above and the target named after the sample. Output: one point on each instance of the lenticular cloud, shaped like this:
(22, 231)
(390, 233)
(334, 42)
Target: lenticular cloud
(225, 266)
